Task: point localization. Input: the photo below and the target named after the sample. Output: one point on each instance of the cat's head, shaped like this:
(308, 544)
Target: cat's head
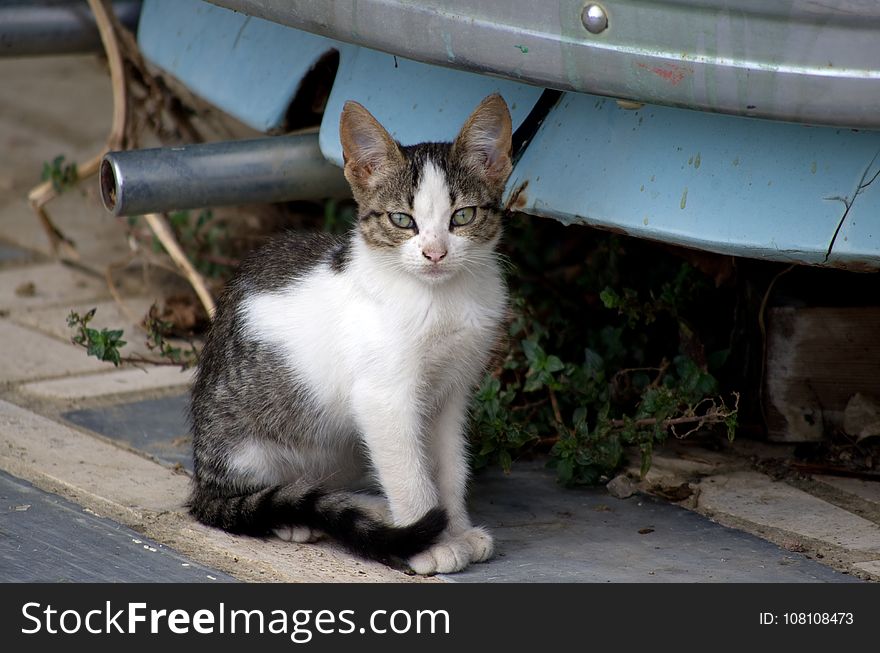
(431, 210)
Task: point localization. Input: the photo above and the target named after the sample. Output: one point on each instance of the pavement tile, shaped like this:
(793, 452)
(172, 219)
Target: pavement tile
(11, 255)
(756, 498)
(26, 356)
(83, 462)
(110, 383)
(47, 284)
(871, 567)
(130, 488)
(155, 426)
(546, 533)
(49, 107)
(866, 490)
(543, 532)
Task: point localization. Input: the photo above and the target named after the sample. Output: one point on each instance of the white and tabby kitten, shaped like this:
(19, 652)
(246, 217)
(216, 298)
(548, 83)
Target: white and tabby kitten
(339, 365)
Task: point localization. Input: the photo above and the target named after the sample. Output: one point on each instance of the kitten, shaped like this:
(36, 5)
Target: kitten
(338, 364)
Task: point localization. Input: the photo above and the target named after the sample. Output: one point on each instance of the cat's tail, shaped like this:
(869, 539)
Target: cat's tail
(337, 514)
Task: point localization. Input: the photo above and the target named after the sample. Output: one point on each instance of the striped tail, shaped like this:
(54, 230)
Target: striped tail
(258, 513)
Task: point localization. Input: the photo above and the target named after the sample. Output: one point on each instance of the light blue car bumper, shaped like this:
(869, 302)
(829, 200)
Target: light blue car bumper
(718, 179)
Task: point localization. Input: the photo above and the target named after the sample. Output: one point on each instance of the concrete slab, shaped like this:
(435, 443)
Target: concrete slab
(99, 238)
(135, 491)
(51, 540)
(545, 533)
(49, 100)
(10, 255)
(49, 284)
(871, 567)
(52, 106)
(111, 383)
(155, 426)
(754, 497)
(865, 490)
(26, 355)
(87, 466)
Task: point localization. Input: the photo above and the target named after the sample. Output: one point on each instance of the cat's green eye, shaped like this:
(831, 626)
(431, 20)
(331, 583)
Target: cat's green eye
(464, 216)
(402, 220)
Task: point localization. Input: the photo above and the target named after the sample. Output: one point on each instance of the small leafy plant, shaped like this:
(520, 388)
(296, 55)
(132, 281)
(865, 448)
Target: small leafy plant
(602, 357)
(62, 175)
(204, 239)
(157, 341)
(103, 345)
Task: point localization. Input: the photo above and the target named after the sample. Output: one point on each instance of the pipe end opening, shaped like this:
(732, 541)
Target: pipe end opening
(109, 189)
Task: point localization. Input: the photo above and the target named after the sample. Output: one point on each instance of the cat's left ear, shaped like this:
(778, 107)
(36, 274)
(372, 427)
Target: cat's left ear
(485, 140)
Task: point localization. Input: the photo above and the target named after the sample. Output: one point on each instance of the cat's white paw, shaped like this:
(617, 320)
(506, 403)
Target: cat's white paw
(300, 534)
(454, 553)
(481, 543)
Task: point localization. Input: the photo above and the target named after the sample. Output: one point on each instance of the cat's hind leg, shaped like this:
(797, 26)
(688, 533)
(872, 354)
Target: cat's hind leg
(299, 534)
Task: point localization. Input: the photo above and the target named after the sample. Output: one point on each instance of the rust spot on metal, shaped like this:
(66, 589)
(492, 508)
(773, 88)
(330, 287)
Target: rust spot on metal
(579, 219)
(670, 72)
(854, 266)
(614, 230)
(519, 199)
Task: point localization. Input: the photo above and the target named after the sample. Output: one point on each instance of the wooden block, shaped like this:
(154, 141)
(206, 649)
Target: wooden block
(817, 359)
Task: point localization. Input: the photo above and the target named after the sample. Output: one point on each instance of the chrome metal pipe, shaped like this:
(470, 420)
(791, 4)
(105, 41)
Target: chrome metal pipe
(46, 27)
(264, 170)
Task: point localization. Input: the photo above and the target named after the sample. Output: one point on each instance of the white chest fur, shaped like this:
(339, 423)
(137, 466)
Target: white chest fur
(367, 325)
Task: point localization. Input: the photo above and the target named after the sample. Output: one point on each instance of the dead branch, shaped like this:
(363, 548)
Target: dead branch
(163, 232)
(123, 55)
(716, 414)
(45, 192)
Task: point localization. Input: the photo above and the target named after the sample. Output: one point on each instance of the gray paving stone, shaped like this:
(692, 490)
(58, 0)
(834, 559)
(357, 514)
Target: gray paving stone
(865, 490)
(86, 468)
(26, 355)
(545, 533)
(110, 383)
(44, 538)
(47, 284)
(155, 426)
(10, 254)
(871, 566)
(757, 498)
(51, 106)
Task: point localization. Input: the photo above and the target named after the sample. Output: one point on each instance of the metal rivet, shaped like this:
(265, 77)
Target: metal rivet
(594, 18)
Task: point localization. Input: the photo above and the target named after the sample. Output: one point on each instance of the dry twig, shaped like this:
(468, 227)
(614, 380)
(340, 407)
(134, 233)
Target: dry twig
(45, 192)
(716, 414)
(163, 232)
(122, 54)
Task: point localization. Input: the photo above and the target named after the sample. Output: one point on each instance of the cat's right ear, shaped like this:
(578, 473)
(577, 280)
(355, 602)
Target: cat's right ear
(367, 149)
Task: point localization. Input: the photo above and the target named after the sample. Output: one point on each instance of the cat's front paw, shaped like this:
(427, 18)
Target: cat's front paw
(454, 553)
(481, 543)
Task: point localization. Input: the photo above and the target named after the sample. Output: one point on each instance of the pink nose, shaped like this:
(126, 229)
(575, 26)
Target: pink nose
(435, 256)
